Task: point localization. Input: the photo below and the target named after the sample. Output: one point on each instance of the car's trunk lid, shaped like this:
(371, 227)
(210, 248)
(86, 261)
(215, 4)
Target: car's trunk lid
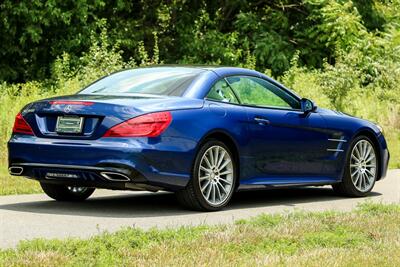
(96, 113)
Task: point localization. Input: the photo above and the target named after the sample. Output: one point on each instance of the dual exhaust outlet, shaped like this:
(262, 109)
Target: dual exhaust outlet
(110, 176)
(115, 177)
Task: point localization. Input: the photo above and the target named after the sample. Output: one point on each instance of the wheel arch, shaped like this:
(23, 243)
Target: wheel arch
(228, 140)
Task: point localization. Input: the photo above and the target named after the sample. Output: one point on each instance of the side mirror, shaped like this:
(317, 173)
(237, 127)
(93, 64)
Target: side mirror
(307, 105)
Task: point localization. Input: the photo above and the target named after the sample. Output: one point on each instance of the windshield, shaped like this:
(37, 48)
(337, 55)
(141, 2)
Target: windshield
(172, 81)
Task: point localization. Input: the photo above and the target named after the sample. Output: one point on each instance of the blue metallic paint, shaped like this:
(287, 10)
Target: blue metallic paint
(290, 149)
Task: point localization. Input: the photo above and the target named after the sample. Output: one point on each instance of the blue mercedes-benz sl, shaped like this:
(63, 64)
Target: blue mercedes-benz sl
(201, 132)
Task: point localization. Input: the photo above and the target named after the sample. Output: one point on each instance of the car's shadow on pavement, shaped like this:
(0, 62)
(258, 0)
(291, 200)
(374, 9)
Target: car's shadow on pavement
(165, 204)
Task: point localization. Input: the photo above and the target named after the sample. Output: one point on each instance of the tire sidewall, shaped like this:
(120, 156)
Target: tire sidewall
(195, 177)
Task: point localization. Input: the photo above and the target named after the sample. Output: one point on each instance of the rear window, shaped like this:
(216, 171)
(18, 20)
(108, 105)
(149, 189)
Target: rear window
(172, 81)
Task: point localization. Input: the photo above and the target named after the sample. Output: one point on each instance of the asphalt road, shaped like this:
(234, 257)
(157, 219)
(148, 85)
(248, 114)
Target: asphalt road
(36, 216)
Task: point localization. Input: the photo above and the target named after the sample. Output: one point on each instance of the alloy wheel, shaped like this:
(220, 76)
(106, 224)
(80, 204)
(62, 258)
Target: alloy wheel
(216, 175)
(363, 164)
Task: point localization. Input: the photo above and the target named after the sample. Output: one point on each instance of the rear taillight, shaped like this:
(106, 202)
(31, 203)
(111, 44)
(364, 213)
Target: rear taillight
(148, 125)
(21, 126)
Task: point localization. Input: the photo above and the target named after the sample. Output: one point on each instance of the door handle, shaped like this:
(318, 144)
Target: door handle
(262, 121)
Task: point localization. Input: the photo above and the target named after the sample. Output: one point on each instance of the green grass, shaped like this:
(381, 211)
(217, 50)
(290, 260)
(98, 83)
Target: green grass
(368, 236)
(13, 185)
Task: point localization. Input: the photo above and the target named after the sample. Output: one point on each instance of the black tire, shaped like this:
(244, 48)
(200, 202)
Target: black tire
(346, 186)
(191, 197)
(63, 193)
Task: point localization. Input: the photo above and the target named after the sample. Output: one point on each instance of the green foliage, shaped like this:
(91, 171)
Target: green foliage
(339, 24)
(35, 33)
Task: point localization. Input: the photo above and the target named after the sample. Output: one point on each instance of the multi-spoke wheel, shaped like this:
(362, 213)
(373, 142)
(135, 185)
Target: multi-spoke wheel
(363, 165)
(66, 193)
(361, 170)
(213, 178)
(216, 175)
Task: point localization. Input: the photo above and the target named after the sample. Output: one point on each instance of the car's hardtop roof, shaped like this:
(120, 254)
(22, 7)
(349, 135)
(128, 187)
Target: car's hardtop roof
(221, 71)
(195, 66)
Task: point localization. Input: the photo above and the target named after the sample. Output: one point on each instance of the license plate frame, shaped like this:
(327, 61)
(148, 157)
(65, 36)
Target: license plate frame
(69, 125)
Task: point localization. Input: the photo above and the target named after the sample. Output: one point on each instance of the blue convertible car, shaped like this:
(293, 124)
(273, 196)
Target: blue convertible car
(201, 132)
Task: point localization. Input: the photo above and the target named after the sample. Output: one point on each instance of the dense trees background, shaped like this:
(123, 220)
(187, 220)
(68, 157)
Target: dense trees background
(35, 32)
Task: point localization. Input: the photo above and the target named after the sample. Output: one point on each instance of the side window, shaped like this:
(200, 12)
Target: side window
(222, 92)
(258, 92)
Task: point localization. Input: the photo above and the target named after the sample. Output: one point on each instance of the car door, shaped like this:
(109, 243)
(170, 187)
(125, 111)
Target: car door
(283, 143)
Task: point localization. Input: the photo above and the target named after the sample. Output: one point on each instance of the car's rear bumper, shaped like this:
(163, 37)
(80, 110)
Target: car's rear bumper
(111, 177)
(97, 163)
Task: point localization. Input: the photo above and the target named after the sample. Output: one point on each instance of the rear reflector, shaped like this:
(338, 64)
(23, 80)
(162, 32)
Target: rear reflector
(66, 102)
(148, 125)
(21, 126)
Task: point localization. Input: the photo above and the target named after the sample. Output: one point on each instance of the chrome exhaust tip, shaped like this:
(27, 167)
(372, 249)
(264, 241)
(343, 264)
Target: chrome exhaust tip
(115, 177)
(15, 170)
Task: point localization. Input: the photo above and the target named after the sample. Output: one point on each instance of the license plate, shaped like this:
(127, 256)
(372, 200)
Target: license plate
(69, 124)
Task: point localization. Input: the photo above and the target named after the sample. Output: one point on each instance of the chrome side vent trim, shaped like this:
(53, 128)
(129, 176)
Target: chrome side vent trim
(339, 143)
(337, 140)
(115, 177)
(335, 150)
(15, 170)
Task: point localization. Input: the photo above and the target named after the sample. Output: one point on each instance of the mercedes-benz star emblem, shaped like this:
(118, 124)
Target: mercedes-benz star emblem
(67, 109)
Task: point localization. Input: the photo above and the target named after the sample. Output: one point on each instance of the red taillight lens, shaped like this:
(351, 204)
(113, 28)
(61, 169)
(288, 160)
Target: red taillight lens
(21, 126)
(148, 125)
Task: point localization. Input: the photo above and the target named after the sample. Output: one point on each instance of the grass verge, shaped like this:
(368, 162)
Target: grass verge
(13, 185)
(368, 236)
